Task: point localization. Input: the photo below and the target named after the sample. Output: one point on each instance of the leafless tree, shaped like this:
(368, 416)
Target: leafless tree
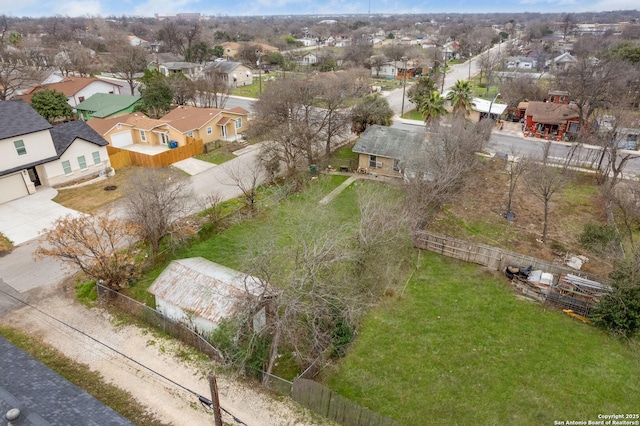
(247, 179)
(593, 84)
(129, 62)
(626, 199)
(99, 245)
(521, 88)
(544, 180)
(489, 62)
(155, 200)
(439, 170)
(212, 91)
(395, 52)
(567, 24)
(16, 74)
(376, 63)
(516, 167)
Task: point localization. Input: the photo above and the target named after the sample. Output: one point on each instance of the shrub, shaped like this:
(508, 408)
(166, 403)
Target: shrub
(600, 239)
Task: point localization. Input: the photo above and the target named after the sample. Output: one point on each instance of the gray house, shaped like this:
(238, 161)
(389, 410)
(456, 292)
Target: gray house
(386, 151)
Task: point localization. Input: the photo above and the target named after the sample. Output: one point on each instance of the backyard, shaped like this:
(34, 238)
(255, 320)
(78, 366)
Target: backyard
(458, 347)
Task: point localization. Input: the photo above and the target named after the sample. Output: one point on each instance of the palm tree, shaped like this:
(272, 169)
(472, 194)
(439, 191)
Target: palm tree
(432, 108)
(461, 97)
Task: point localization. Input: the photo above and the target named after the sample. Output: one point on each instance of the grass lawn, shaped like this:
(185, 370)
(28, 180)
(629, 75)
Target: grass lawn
(459, 348)
(93, 197)
(221, 154)
(90, 198)
(272, 222)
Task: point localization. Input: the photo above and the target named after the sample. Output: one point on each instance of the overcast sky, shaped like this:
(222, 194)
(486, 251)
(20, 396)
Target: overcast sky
(36, 8)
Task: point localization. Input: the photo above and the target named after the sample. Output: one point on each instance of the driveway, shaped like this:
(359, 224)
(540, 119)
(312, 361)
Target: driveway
(24, 219)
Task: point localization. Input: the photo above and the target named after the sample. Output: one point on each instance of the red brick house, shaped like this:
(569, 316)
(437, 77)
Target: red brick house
(555, 119)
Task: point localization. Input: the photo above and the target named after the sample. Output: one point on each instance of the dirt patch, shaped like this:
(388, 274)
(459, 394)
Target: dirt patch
(170, 403)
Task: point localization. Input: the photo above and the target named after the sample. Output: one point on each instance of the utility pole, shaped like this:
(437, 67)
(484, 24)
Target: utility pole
(404, 84)
(215, 401)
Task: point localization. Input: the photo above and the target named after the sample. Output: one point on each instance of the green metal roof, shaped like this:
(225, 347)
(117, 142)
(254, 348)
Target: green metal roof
(103, 105)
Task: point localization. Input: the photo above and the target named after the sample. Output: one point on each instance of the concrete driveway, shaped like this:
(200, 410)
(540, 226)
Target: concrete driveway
(24, 219)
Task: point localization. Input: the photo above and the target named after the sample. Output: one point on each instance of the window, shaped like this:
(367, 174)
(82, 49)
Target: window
(96, 157)
(143, 136)
(238, 123)
(82, 162)
(190, 134)
(573, 127)
(20, 148)
(396, 165)
(209, 130)
(81, 98)
(164, 138)
(66, 166)
(372, 161)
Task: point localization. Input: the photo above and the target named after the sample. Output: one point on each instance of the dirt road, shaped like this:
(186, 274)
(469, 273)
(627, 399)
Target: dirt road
(170, 403)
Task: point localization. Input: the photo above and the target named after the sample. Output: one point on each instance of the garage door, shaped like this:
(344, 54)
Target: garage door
(12, 187)
(121, 139)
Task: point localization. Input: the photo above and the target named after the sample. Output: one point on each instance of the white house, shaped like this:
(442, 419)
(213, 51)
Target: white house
(199, 294)
(33, 153)
(76, 89)
(308, 59)
(387, 70)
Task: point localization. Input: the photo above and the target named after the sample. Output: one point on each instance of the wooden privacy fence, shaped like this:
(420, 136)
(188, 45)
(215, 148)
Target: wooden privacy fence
(336, 407)
(491, 257)
(122, 157)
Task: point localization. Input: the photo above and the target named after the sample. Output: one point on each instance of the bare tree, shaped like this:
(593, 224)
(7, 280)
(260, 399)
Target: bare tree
(15, 74)
(130, 61)
(155, 200)
(99, 246)
(246, 179)
(489, 62)
(438, 171)
(212, 91)
(516, 167)
(545, 180)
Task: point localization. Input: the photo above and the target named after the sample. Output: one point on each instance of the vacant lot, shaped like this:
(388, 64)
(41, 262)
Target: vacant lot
(458, 347)
(477, 214)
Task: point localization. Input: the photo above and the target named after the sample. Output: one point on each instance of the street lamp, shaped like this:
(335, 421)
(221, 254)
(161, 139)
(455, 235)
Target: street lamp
(491, 105)
(404, 84)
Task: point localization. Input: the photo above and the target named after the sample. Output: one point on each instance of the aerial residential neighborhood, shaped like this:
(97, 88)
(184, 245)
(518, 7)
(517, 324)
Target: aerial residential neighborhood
(319, 219)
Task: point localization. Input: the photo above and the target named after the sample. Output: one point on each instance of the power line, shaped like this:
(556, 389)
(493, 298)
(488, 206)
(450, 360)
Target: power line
(203, 400)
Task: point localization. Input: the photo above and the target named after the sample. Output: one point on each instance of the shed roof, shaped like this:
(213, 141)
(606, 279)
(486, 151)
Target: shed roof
(483, 105)
(103, 105)
(388, 142)
(209, 290)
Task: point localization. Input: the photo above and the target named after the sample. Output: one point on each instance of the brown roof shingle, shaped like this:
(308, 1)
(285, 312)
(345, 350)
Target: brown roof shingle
(551, 113)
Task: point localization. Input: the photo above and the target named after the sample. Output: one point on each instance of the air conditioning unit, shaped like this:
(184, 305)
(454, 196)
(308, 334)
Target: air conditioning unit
(378, 164)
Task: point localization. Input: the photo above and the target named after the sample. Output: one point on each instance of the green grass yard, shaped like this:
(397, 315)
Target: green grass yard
(458, 347)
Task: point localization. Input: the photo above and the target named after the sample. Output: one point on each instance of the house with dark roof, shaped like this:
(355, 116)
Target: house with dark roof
(199, 294)
(76, 89)
(34, 153)
(103, 105)
(387, 151)
(36, 395)
(234, 74)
